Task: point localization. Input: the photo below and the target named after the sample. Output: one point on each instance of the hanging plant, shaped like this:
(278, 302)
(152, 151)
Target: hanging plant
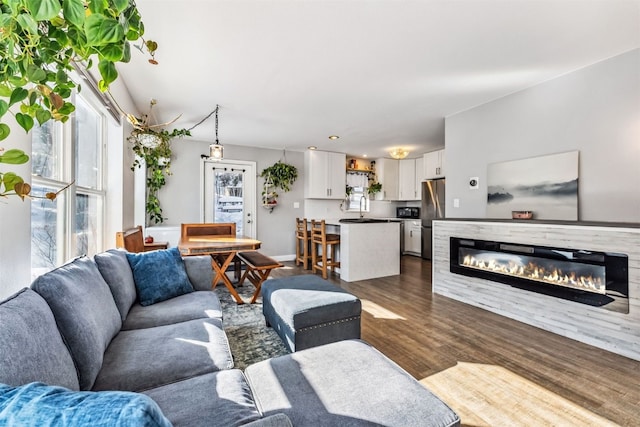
(282, 175)
(153, 149)
(40, 44)
(279, 175)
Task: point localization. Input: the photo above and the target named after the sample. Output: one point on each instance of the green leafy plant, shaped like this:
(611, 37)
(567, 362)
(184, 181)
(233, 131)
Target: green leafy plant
(374, 188)
(279, 175)
(157, 161)
(282, 175)
(10, 183)
(41, 43)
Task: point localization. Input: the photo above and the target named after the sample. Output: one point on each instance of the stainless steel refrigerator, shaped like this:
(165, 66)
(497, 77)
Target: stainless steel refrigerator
(432, 208)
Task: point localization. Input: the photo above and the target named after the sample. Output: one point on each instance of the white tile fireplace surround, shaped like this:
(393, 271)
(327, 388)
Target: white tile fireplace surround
(617, 332)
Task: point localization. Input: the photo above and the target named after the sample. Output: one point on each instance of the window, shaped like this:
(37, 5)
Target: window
(357, 192)
(72, 224)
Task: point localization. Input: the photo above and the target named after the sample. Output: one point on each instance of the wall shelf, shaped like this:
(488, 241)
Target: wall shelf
(269, 195)
(361, 170)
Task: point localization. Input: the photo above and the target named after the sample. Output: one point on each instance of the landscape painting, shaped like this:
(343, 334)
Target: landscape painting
(546, 185)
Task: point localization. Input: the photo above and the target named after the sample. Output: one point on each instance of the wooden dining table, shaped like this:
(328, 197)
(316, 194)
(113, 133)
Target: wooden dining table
(222, 250)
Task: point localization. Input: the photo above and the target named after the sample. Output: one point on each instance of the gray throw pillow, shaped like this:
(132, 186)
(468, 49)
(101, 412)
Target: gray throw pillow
(85, 311)
(31, 348)
(115, 269)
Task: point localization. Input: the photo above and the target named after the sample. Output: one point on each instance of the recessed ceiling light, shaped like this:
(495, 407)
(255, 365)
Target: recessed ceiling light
(334, 137)
(364, 155)
(312, 147)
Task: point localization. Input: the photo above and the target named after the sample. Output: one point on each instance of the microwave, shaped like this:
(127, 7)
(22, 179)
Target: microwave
(408, 213)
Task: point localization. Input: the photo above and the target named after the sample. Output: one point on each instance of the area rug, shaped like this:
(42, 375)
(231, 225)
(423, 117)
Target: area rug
(488, 395)
(249, 337)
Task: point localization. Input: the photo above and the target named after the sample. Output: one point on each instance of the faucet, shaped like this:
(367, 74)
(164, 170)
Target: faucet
(360, 205)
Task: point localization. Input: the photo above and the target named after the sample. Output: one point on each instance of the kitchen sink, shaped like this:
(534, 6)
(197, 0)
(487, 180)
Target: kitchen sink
(362, 220)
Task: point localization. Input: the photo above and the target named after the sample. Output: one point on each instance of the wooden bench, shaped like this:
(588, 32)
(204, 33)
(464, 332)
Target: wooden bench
(259, 267)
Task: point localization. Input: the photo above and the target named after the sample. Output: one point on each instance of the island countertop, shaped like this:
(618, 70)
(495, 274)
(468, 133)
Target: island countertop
(368, 250)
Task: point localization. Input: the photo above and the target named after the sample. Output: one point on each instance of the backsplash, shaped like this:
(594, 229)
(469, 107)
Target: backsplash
(319, 209)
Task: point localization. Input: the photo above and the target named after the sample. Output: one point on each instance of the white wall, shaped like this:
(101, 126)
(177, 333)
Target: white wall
(180, 198)
(120, 195)
(15, 221)
(595, 110)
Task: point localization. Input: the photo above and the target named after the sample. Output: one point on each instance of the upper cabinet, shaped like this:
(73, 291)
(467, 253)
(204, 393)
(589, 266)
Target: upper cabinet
(325, 175)
(419, 177)
(387, 175)
(434, 165)
(407, 189)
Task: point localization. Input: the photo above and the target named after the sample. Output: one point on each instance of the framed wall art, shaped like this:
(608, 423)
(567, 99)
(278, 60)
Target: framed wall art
(545, 185)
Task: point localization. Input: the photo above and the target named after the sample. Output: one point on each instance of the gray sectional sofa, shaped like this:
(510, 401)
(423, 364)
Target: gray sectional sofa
(80, 333)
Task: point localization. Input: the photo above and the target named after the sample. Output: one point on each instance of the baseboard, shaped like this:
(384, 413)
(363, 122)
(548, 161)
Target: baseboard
(284, 257)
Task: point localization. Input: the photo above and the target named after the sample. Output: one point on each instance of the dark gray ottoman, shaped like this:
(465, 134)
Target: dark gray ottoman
(307, 311)
(348, 383)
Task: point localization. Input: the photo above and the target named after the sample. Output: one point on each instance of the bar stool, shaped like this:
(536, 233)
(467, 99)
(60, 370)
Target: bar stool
(319, 237)
(303, 239)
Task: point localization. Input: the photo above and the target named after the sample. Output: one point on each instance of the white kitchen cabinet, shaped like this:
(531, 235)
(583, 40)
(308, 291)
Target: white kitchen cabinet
(412, 237)
(410, 178)
(407, 179)
(434, 165)
(387, 175)
(325, 175)
(419, 177)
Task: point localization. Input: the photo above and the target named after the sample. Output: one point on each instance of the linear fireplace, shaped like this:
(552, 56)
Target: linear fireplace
(598, 279)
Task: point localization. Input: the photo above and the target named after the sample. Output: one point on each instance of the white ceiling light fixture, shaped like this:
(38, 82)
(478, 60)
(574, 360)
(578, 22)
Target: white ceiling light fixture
(333, 137)
(216, 151)
(399, 153)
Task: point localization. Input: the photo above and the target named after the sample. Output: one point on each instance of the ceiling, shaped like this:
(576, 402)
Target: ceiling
(378, 73)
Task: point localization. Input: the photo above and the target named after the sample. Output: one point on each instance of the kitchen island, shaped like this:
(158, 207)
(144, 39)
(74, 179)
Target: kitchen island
(368, 249)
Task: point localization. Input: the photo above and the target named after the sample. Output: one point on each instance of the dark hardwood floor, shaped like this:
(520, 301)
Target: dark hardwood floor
(427, 333)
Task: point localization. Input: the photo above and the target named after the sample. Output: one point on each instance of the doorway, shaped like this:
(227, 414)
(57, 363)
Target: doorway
(230, 194)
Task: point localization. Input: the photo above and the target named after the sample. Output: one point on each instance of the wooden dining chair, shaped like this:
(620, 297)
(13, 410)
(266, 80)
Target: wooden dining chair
(303, 241)
(133, 241)
(321, 243)
(221, 229)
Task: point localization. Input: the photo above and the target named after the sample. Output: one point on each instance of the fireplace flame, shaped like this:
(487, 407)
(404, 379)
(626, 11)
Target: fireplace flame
(532, 271)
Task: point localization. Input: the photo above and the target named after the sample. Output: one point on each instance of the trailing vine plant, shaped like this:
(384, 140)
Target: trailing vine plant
(374, 188)
(279, 175)
(41, 42)
(157, 161)
(282, 175)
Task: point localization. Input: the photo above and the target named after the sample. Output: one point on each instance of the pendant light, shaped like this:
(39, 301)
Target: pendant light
(216, 151)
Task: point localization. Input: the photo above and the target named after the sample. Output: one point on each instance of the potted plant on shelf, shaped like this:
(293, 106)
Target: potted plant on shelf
(42, 43)
(374, 189)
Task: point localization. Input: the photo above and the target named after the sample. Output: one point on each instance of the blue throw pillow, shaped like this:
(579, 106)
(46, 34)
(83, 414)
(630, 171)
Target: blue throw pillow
(159, 275)
(37, 404)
